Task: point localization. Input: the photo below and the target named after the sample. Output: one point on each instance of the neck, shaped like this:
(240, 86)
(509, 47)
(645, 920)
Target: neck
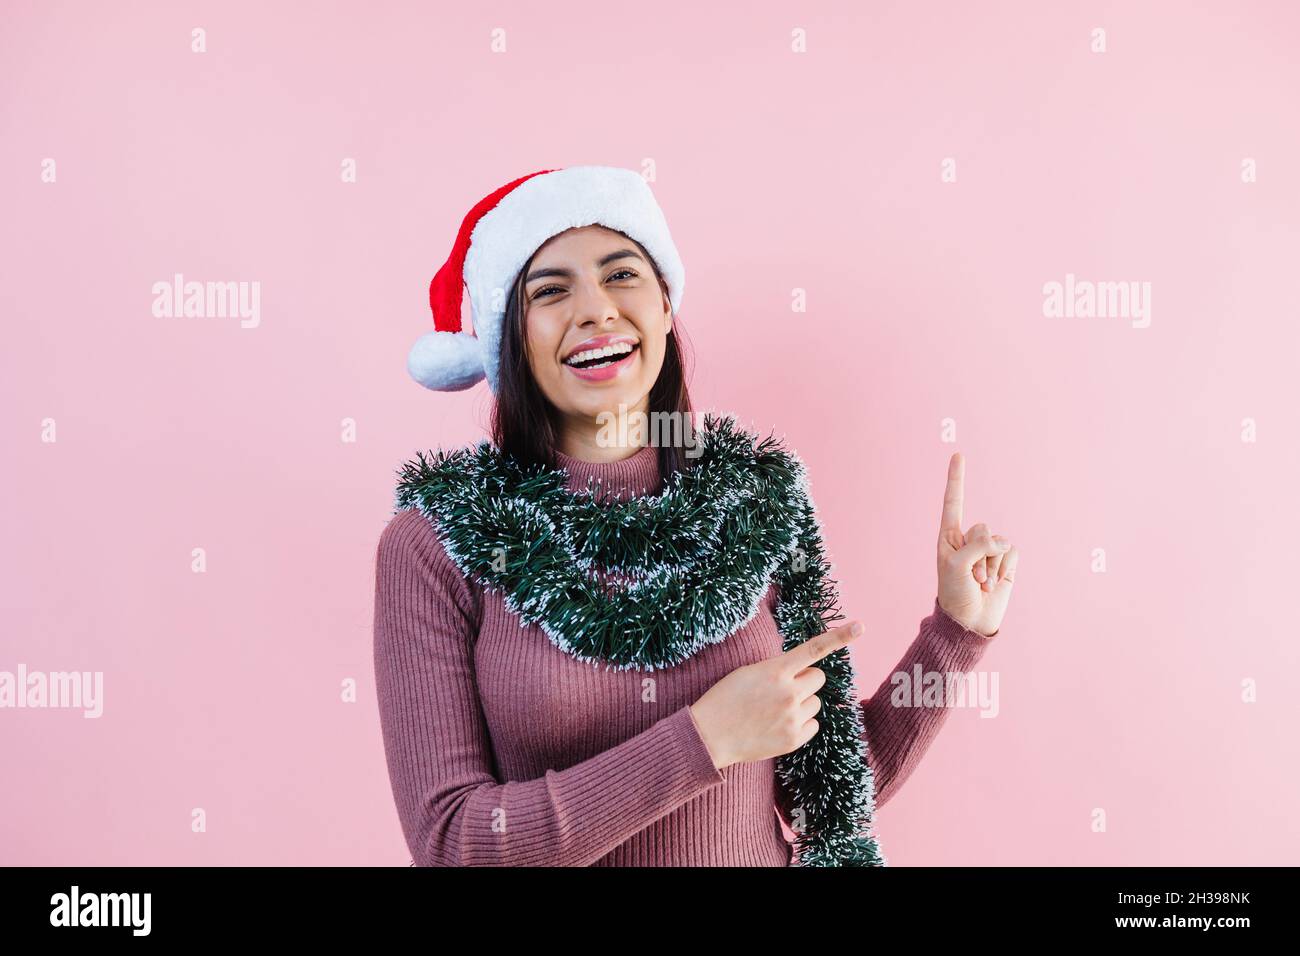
(598, 454)
(580, 439)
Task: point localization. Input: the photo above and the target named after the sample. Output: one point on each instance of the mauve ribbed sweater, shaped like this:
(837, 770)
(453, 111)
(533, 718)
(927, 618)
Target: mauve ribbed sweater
(503, 750)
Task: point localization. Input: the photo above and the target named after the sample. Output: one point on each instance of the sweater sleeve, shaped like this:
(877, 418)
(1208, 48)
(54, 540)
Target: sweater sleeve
(898, 737)
(452, 808)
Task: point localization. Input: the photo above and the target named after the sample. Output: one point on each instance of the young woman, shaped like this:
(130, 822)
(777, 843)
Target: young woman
(599, 650)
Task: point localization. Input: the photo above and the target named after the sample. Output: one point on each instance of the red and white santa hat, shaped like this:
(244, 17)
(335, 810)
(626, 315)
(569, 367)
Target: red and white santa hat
(500, 234)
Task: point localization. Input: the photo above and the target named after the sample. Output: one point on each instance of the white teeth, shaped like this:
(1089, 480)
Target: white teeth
(622, 348)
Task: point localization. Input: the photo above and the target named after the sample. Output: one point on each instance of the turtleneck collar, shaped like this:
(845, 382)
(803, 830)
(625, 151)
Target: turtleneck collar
(638, 474)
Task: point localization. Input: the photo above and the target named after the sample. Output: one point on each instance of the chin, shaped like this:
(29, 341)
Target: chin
(593, 401)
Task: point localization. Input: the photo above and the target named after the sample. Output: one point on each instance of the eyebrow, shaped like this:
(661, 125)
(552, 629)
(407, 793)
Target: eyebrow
(568, 274)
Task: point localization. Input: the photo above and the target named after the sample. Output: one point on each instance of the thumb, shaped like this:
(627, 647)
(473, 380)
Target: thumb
(979, 547)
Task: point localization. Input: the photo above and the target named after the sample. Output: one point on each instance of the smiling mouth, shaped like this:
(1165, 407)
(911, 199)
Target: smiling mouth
(608, 356)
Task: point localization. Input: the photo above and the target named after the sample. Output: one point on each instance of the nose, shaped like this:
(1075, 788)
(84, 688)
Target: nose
(592, 305)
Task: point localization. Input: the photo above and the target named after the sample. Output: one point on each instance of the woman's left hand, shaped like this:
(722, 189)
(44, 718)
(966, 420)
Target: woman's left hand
(977, 569)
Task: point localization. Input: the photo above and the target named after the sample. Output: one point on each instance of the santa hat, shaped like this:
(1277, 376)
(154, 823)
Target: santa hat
(500, 234)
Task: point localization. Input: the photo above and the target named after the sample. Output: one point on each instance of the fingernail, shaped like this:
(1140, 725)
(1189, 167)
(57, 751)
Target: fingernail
(1004, 545)
(856, 629)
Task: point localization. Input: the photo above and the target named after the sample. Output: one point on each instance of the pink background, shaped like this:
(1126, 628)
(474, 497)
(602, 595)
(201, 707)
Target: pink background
(777, 171)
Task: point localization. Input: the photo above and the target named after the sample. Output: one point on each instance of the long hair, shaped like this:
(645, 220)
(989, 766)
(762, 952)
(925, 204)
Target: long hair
(525, 424)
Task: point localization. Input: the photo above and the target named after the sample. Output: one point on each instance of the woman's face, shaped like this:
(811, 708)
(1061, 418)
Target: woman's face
(590, 288)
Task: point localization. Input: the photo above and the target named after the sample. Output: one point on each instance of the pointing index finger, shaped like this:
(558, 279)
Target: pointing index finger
(815, 648)
(953, 492)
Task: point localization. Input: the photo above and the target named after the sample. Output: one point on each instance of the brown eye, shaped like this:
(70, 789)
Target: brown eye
(548, 288)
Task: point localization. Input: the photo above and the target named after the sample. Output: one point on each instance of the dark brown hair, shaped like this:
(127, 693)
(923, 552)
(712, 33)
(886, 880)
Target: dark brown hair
(525, 424)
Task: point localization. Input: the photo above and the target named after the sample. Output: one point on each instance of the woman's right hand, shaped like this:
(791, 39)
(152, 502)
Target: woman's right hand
(767, 709)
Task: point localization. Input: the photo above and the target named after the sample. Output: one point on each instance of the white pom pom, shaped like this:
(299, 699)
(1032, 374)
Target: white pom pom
(446, 361)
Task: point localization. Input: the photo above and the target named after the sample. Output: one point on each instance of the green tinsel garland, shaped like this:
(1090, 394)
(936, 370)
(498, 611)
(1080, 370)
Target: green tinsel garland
(698, 559)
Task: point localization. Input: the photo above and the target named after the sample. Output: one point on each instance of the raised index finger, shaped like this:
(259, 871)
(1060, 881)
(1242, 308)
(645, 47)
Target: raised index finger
(953, 492)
